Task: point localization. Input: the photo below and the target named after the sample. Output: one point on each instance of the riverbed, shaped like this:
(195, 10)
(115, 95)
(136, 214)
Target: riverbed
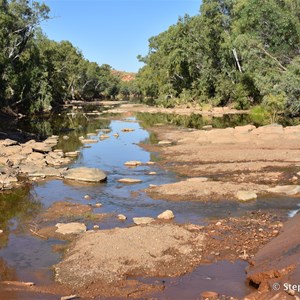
(26, 257)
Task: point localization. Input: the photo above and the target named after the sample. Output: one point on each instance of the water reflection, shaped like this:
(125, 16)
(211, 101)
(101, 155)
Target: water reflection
(198, 121)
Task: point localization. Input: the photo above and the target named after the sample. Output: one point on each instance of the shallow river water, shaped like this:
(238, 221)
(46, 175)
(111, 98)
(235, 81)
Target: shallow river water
(25, 257)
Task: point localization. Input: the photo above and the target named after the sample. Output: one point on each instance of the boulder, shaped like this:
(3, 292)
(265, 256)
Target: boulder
(166, 215)
(142, 220)
(85, 174)
(246, 195)
(70, 228)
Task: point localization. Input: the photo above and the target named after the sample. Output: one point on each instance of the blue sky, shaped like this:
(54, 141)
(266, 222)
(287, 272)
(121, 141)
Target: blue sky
(115, 31)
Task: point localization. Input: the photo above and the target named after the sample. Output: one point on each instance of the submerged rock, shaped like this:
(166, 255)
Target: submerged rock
(129, 180)
(70, 228)
(246, 195)
(132, 163)
(85, 174)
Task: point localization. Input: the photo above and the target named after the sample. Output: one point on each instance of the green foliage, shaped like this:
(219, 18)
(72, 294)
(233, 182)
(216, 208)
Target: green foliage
(274, 104)
(233, 52)
(37, 73)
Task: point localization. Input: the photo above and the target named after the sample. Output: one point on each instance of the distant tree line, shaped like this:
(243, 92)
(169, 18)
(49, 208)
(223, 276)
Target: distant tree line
(37, 73)
(235, 52)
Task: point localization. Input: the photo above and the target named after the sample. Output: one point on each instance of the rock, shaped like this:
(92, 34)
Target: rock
(41, 147)
(166, 215)
(285, 189)
(88, 141)
(197, 179)
(127, 129)
(218, 223)
(116, 135)
(65, 137)
(132, 163)
(71, 297)
(11, 150)
(85, 174)
(51, 141)
(106, 130)
(91, 134)
(164, 142)
(70, 228)
(150, 163)
(36, 158)
(96, 227)
(72, 154)
(8, 142)
(207, 127)
(208, 295)
(246, 195)
(98, 204)
(87, 197)
(103, 136)
(152, 173)
(122, 217)
(152, 185)
(277, 259)
(129, 180)
(142, 220)
(1, 231)
(26, 150)
(7, 182)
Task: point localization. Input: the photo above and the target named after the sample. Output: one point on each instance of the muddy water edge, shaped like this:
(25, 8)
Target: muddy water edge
(28, 257)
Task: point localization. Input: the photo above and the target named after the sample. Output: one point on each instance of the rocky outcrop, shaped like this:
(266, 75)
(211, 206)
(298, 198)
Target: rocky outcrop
(278, 261)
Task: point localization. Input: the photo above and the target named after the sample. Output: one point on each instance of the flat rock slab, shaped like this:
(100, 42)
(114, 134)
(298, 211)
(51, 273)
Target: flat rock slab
(278, 261)
(85, 174)
(165, 142)
(88, 141)
(285, 189)
(108, 256)
(132, 163)
(129, 180)
(70, 228)
(246, 195)
(41, 147)
(142, 220)
(202, 190)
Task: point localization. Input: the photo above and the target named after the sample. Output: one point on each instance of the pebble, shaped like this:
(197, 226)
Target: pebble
(87, 197)
(98, 204)
(69, 297)
(96, 227)
(65, 137)
(122, 217)
(209, 295)
(218, 224)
